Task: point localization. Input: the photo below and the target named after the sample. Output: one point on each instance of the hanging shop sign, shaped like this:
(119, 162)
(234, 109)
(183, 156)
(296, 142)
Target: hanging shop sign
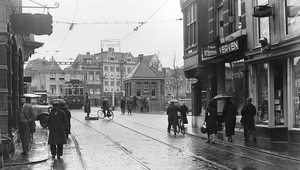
(262, 11)
(192, 80)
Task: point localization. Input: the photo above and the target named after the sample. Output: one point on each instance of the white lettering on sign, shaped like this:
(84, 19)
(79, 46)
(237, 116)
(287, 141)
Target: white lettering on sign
(233, 46)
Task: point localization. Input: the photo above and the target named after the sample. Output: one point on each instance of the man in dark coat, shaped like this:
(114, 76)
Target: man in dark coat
(185, 111)
(57, 123)
(122, 103)
(211, 121)
(173, 116)
(129, 105)
(26, 116)
(248, 113)
(229, 112)
(87, 105)
(105, 106)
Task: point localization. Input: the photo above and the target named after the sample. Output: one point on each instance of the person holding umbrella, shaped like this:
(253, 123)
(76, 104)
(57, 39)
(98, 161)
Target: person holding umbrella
(229, 112)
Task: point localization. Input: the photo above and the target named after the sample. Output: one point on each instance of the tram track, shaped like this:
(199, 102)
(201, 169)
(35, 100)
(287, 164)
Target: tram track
(160, 141)
(231, 145)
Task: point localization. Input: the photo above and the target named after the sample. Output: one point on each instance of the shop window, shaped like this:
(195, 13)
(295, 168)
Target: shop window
(296, 92)
(262, 89)
(279, 77)
(292, 10)
(190, 20)
(234, 82)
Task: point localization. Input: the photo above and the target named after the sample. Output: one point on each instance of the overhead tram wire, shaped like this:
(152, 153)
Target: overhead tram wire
(137, 27)
(68, 31)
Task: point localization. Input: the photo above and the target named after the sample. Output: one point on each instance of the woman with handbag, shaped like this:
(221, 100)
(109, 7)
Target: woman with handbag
(211, 121)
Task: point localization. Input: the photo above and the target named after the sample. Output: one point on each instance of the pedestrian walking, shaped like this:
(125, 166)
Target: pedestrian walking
(185, 111)
(26, 116)
(173, 117)
(87, 105)
(129, 105)
(64, 108)
(57, 124)
(248, 113)
(211, 121)
(229, 112)
(122, 103)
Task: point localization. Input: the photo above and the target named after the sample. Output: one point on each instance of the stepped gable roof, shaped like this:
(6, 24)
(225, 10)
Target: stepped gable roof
(143, 71)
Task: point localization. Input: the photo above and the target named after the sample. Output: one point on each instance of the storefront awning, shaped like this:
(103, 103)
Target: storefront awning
(273, 56)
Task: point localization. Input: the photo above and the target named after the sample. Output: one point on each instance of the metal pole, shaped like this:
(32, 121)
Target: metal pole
(101, 75)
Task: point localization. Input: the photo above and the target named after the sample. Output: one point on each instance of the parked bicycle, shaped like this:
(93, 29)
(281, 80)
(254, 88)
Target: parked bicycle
(8, 148)
(109, 115)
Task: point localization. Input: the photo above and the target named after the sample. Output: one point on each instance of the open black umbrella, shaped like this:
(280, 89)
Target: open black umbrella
(60, 101)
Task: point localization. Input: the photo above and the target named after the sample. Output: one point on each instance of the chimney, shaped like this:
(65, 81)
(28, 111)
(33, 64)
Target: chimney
(141, 57)
(87, 53)
(111, 49)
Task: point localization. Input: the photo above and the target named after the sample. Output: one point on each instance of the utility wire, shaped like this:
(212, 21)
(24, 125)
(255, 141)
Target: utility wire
(137, 27)
(68, 31)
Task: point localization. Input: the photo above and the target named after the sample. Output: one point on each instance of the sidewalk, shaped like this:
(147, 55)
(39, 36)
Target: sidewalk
(40, 156)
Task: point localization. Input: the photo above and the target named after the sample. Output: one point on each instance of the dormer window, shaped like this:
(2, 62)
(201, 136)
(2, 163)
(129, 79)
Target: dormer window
(112, 59)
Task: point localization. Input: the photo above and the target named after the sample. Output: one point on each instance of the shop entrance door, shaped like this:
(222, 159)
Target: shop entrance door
(279, 91)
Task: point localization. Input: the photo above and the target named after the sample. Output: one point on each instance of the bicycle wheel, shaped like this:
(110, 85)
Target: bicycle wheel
(100, 114)
(111, 117)
(8, 148)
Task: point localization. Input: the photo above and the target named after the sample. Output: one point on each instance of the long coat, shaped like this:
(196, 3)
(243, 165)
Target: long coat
(230, 112)
(87, 105)
(185, 110)
(57, 124)
(248, 114)
(173, 115)
(211, 119)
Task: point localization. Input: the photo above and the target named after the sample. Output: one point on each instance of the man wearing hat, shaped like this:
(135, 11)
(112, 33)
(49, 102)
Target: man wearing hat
(248, 114)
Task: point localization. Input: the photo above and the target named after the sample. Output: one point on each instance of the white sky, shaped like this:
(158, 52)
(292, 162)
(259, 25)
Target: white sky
(161, 35)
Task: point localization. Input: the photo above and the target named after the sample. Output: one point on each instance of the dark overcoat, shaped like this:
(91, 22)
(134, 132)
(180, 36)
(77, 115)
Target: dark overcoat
(230, 112)
(87, 105)
(248, 114)
(185, 110)
(57, 125)
(211, 119)
(173, 115)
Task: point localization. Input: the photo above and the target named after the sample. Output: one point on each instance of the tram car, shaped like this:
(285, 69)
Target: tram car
(73, 94)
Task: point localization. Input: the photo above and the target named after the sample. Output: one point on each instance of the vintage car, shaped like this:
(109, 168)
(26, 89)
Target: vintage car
(41, 111)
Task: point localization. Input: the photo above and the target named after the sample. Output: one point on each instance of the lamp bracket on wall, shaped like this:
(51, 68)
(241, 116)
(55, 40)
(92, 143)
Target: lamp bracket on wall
(56, 5)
